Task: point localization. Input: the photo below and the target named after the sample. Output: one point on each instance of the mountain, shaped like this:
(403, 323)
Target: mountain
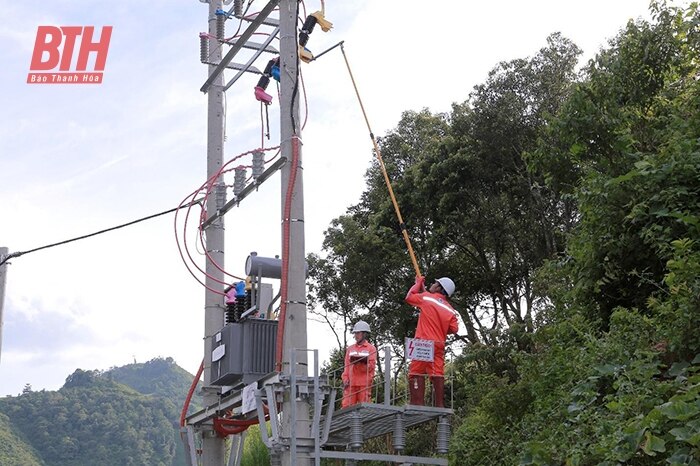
(124, 416)
(157, 377)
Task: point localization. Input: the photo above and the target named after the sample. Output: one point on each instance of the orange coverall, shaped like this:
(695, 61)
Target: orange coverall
(437, 319)
(360, 362)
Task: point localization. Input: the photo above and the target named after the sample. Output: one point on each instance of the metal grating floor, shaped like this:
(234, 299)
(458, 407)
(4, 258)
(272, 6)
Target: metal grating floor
(378, 419)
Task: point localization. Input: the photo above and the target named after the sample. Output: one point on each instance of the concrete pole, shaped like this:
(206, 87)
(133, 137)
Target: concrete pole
(295, 322)
(213, 447)
(3, 277)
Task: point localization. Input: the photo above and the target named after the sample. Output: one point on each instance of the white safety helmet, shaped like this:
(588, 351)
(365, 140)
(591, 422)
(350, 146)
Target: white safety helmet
(361, 326)
(447, 284)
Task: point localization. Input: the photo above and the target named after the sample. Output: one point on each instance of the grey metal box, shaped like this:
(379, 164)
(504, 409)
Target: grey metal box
(243, 352)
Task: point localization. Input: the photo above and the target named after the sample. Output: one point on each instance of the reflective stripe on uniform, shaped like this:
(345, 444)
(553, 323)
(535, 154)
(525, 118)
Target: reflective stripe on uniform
(443, 305)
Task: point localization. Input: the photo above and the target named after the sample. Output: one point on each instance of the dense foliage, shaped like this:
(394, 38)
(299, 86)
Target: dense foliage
(566, 206)
(14, 450)
(95, 419)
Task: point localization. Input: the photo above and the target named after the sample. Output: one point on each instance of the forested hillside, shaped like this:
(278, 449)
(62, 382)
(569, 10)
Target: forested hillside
(564, 200)
(124, 416)
(14, 451)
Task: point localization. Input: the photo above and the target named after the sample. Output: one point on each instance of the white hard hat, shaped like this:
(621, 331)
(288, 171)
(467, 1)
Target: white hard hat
(447, 284)
(361, 326)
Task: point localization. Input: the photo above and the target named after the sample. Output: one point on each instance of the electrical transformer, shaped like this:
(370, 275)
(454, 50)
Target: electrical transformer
(244, 352)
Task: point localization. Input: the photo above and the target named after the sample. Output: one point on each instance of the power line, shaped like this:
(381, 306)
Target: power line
(143, 219)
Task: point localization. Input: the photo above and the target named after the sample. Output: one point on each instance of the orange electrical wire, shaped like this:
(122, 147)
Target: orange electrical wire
(285, 252)
(186, 405)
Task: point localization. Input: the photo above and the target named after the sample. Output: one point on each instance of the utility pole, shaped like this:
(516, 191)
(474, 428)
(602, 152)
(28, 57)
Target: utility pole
(295, 320)
(3, 279)
(213, 447)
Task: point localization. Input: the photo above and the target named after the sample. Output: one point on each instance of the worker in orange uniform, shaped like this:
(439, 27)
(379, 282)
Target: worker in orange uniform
(360, 362)
(437, 319)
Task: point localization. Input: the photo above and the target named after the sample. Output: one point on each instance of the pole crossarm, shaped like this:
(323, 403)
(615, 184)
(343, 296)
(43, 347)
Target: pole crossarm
(245, 192)
(239, 67)
(255, 46)
(235, 48)
(234, 400)
(252, 59)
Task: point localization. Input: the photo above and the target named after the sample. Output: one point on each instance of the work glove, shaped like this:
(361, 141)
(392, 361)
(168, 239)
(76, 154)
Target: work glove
(419, 286)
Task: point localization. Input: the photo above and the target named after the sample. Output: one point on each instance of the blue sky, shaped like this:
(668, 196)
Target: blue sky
(78, 158)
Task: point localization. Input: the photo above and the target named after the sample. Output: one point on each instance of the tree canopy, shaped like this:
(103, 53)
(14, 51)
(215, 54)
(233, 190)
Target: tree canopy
(565, 203)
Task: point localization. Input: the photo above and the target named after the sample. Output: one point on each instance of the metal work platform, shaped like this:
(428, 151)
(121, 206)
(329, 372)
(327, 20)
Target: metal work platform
(335, 434)
(378, 419)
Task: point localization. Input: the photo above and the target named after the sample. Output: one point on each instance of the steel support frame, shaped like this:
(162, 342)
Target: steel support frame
(314, 387)
(246, 191)
(238, 45)
(236, 454)
(252, 59)
(353, 455)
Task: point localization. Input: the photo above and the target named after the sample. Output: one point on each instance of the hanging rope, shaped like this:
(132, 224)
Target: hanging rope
(402, 225)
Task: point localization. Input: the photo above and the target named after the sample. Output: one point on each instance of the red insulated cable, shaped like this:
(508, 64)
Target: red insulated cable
(210, 185)
(189, 255)
(182, 256)
(248, 16)
(186, 406)
(221, 424)
(285, 251)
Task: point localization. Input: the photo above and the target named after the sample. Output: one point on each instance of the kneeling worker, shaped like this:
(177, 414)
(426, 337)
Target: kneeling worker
(360, 362)
(436, 320)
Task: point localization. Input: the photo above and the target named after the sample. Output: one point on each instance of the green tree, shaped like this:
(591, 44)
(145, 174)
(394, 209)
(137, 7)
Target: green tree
(620, 146)
(473, 209)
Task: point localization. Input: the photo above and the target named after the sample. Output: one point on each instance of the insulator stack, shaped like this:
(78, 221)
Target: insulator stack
(230, 313)
(220, 195)
(239, 309)
(248, 302)
(238, 8)
(220, 26)
(356, 437)
(307, 29)
(399, 433)
(264, 81)
(239, 175)
(258, 164)
(275, 459)
(443, 435)
(203, 47)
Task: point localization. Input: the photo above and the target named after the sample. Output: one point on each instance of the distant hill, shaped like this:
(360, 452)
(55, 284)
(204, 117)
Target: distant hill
(14, 451)
(157, 377)
(124, 416)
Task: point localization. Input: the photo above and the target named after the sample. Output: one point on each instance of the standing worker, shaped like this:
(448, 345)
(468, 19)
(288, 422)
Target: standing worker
(437, 319)
(360, 362)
